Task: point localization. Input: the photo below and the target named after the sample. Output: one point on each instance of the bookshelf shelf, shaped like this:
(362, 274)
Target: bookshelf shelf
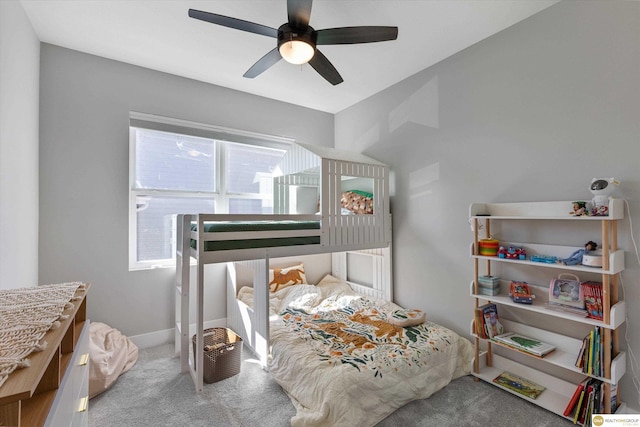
(554, 398)
(616, 318)
(564, 356)
(616, 258)
(556, 371)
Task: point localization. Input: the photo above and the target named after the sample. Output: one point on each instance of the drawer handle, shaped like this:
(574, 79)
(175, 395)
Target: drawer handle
(84, 403)
(84, 359)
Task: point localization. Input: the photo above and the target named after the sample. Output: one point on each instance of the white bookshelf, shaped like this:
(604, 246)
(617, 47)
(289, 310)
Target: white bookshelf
(546, 370)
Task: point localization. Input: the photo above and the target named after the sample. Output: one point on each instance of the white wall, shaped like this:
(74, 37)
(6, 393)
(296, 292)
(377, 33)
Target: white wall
(532, 113)
(85, 103)
(19, 74)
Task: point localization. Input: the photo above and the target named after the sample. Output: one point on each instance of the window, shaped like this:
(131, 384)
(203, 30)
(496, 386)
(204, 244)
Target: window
(182, 167)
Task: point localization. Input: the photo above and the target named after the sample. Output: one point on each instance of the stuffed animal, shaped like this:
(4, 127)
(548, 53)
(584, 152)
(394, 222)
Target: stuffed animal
(601, 188)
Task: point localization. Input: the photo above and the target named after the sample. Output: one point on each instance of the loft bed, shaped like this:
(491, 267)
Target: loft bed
(321, 204)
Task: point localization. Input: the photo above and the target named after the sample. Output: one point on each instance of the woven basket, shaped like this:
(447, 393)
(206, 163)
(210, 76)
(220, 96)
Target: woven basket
(222, 354)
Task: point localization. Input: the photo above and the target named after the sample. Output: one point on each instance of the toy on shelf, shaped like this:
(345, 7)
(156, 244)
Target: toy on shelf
(488, 285)
(548, 259)
(520, 292)
(576, 257)
(566, 290)
(512, 252)
(593, 259)
(488, 247)
(579, 208)
(601, 188)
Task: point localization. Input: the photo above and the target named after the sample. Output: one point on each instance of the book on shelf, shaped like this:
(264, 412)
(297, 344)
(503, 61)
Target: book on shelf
(520, 292)
(598, 402)
(587, 406)
(584, 401)
(593, 299)
(519, 384)
(574, 398)
(614, 398)
(525, 343)
(591, 351)
(590, 358)
(580, 360)
(590, 404)
(492, 324)
(576, 412)
(478, 323)
(487, 321)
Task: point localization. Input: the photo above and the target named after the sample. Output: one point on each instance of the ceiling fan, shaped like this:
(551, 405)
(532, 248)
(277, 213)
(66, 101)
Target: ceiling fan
(297, 40)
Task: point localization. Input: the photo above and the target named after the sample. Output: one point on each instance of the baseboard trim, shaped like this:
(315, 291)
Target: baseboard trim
(153, 339)
(167, 336)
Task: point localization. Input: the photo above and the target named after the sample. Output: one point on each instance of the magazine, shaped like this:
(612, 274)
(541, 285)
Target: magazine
(519, 384)
(524, 343)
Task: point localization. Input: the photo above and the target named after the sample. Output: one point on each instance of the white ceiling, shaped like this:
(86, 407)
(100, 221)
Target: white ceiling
(159, 35)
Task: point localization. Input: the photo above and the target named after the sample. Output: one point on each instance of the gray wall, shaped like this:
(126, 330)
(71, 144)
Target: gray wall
(530, 114)
(19, 75)
(84, 176)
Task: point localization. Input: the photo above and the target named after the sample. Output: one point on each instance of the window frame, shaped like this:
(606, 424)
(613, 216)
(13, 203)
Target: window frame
(222, 137)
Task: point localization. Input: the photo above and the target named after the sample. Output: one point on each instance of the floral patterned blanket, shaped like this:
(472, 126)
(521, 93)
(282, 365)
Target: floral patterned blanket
(343, 364)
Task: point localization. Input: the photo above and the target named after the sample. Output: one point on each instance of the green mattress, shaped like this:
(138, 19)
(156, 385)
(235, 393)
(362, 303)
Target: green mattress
(230, 226)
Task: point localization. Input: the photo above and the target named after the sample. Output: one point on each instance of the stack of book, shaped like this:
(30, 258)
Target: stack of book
(588, 399)
(487, 321)
(524, 344)
(591, 355)
(488, 285)
(593, 298)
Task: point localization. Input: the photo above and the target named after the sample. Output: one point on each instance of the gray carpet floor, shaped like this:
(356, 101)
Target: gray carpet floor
(155, 393)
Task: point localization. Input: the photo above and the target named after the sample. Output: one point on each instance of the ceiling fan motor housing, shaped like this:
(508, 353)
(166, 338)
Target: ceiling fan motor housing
(286, 34)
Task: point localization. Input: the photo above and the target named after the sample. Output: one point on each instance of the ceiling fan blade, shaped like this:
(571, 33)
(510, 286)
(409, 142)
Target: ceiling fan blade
(321, 64)
(299, 12)
(263, 64)
(238, 24)
(352, 35)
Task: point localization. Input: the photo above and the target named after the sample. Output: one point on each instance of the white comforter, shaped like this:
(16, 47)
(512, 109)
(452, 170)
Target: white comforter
(343, 365)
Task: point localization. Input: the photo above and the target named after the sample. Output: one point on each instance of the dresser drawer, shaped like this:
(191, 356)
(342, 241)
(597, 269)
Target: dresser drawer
(71, 399)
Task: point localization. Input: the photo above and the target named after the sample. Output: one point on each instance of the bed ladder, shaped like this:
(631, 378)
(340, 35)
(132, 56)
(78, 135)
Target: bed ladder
(183, 261)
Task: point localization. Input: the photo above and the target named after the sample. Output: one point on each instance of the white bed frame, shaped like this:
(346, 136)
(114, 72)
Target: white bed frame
(303, 165)
(252, 323)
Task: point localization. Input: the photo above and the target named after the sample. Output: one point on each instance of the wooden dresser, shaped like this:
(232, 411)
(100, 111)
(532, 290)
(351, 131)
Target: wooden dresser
(54, 389)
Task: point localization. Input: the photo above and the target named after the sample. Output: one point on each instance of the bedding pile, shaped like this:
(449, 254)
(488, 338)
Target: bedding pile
(343, 363)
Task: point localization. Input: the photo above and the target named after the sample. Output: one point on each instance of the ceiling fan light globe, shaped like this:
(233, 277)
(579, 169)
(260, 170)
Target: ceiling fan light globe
(296, 51)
